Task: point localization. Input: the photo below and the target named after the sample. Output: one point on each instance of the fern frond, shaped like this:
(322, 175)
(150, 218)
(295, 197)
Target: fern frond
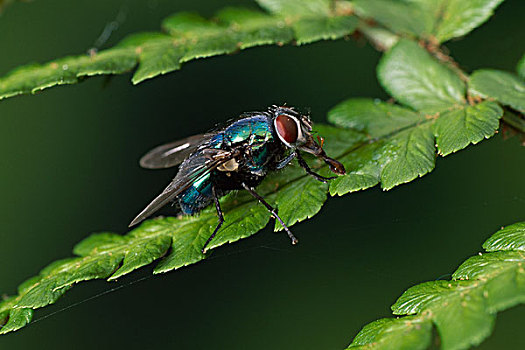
(402, 140)
(187, 37)
(464, 309)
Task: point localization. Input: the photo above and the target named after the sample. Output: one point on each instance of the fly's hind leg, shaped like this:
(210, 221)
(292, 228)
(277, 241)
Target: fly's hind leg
(272, 211)
(306, 167)
(221, 218)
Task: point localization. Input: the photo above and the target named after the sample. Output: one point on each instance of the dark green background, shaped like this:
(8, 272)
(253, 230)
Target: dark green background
(69, 168)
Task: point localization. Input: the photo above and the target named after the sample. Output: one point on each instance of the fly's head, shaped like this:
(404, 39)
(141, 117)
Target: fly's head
(295, 131)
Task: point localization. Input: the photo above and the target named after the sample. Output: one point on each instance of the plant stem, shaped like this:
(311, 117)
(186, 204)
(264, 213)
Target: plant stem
(380, 38)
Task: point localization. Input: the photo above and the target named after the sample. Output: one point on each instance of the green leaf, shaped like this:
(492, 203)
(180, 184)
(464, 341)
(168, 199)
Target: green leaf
(53, 285)
(158, 56)
(459, 17)
(453, 308)
(505, 283)
(243, 221)
(521, 67)
(400, 333)
(462, 310)
(409, 155)
(403, 17)
(189, 37)
(372, 117)
(4, 315)
(254, 28)
(98, 242)
(243, 218)
(199, 38)
(186, 248)
(511, 237)
(300, 200)
(318, 19)
(401, 143)
(143, 252)
(502, 86)
(438, 20)
(363, 167)
(314, 29)
(17, 318)
(297, 7)
(456, 129)
(33, 78)
(416, 79)
(24, 286)
(108, 255)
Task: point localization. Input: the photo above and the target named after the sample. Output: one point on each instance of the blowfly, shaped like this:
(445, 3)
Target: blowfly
(235, 157)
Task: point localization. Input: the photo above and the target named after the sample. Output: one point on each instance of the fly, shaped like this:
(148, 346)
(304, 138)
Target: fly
(238, 156)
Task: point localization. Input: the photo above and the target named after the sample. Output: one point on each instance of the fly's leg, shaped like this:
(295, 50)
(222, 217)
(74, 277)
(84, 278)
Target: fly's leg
(272, 211)
(285, 161)
(305, 166)
(221, 218)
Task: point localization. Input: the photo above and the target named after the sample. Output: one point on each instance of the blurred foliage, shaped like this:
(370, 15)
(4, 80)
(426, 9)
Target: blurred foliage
(434, 20)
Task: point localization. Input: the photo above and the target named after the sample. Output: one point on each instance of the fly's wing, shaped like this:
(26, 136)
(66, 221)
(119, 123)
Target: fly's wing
(173, 153)
(182, 183)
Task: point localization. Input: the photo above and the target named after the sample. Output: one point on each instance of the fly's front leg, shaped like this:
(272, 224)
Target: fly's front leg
(272, 211)
(221, 218)
(305, 166)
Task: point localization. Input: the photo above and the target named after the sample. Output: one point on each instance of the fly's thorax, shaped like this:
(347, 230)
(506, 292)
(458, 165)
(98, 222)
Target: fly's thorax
(255, 138)
(253, 129)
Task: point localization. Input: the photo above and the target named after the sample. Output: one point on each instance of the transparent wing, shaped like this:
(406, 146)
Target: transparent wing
(173, 153)
(200, 167)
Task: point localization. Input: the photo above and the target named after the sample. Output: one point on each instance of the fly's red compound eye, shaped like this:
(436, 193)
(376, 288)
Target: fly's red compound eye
(287, 128)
